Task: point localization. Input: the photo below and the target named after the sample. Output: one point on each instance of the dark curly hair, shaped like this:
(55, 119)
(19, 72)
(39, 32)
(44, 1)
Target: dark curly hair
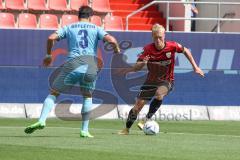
(85, 12)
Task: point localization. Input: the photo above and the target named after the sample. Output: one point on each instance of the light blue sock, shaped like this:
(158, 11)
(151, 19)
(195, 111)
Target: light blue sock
(48, 104)
(87, 104)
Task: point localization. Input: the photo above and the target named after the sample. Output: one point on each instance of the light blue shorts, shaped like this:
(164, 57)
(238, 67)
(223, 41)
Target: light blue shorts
(74, 77)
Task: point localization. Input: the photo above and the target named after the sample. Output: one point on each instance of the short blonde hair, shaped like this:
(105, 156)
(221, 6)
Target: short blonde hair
(158, 28)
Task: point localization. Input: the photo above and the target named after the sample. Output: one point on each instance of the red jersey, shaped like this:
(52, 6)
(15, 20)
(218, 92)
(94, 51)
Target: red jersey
(161, 62)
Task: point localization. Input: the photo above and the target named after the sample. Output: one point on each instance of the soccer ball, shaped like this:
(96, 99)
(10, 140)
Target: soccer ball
(151, 128)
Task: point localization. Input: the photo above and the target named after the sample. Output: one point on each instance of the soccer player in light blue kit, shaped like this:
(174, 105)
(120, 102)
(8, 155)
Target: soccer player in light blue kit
(80, 68)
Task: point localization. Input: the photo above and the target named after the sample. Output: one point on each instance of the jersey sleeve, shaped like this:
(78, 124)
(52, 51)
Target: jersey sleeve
(179, 48)
(143, 54)
(62, 32)
(101, 33)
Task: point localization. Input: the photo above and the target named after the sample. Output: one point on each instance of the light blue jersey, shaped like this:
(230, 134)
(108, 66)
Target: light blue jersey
(82, 38)
(81, 66)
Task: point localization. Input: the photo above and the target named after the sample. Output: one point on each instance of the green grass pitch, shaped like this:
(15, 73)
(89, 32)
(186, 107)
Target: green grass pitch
(182, 140)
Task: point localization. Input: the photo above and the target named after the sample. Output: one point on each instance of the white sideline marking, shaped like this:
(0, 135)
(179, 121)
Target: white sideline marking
(176, 133)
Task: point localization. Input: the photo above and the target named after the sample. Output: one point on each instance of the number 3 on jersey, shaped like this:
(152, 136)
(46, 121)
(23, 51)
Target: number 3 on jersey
(83, 43)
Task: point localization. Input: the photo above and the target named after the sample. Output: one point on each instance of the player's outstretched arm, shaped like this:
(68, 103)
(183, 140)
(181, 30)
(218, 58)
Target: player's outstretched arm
(189, 56)
(136, 67)
(50, 42)
(110, 39)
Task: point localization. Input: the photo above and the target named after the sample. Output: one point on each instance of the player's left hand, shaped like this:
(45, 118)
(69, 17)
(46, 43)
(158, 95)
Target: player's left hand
(199, 71)
(47, 61)
(117, 50)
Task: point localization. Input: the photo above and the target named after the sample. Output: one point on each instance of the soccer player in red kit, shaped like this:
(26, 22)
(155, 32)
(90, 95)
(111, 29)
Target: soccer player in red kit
(160, 59)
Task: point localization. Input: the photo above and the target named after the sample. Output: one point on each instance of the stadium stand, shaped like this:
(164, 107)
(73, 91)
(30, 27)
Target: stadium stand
(76, 4)
(96, 20)
(113, 23)
(7, 20)
(68, 19)
(15, 4)
(37, 5)
(141, 21)
(48, 21)
(27, 21)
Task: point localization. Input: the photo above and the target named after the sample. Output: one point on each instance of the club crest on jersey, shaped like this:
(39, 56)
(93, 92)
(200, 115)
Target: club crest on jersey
(168, 54)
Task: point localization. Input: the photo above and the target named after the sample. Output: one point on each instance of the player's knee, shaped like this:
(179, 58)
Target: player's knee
(159, 97)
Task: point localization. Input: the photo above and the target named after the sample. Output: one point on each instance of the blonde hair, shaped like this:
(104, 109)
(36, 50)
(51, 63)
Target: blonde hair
(158, 28)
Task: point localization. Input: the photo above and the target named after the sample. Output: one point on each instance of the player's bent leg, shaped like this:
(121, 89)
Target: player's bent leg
(87, 86)
(141, 123)
(48, 104)
(148, 90)
(132, 116)
(162, 90)
(86, 109)
(153, 107)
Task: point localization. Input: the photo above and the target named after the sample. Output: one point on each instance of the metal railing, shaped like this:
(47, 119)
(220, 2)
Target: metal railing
(218, 19)
(226, 15)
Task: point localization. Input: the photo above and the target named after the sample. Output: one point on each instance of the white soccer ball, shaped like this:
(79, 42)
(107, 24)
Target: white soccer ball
(151, 128)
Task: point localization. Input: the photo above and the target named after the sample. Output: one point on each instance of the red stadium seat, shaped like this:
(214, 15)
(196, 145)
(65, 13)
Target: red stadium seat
(7, 20)
(58, 5)
(1, 5)
(96, 20)
(37, 5)
(101, 6)
(76, 4)
(113, 23)
(48, 21)
(27, 20)
(68, 19)
(15, 4)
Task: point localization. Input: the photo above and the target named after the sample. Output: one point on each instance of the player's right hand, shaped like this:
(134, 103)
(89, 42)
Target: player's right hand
(199, 71)
(47, 61)
(145, 59)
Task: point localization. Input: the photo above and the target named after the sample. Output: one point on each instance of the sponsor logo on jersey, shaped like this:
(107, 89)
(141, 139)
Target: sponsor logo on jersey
(165, 63)
(168, 54)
